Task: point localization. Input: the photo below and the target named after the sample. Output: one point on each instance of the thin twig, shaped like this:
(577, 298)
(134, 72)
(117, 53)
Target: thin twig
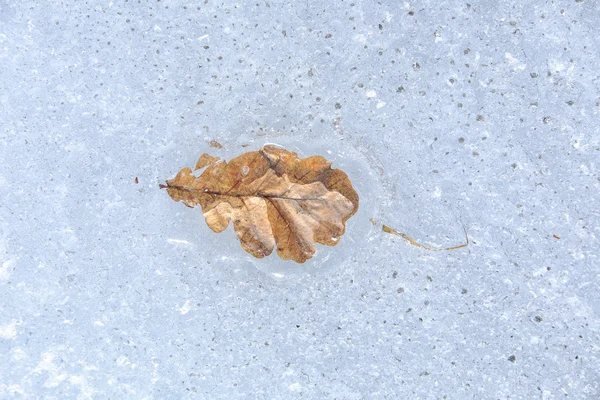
(411, 241)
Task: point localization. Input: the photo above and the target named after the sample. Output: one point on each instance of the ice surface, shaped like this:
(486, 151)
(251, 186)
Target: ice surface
(445, 114)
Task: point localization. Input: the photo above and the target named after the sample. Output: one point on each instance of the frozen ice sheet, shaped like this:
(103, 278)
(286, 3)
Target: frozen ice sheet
(445, 114)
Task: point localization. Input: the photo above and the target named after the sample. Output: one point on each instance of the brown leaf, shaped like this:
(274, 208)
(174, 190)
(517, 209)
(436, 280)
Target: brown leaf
(205, 160)
(273, 198)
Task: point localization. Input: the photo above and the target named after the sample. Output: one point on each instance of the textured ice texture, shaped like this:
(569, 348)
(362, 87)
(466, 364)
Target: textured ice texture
(444, 114)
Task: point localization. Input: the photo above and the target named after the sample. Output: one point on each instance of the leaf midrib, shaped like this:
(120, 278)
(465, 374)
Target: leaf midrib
(203, 191)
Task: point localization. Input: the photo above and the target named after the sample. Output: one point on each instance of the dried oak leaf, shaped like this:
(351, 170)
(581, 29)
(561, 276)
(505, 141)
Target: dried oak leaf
(273, 198)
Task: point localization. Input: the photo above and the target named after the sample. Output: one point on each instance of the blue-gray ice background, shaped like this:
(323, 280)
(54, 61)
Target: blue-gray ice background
(482, 115)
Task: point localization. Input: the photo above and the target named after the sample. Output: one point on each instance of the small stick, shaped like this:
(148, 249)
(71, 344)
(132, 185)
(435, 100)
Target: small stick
(411, 241)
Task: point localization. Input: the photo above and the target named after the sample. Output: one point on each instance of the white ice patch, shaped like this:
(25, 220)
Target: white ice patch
(155, 376)
(371, 93)
(6, 269)
(178, 242)
(513, 62)
(185, 308)
(12, 389)
(295, 387)
(87, 392)
(18, 354)
(9, 331)
(123, 361)
(55, 373)
(555, 65)
(361, 39)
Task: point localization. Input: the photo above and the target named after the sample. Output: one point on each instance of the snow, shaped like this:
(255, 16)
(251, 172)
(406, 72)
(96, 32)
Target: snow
(480, 115)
